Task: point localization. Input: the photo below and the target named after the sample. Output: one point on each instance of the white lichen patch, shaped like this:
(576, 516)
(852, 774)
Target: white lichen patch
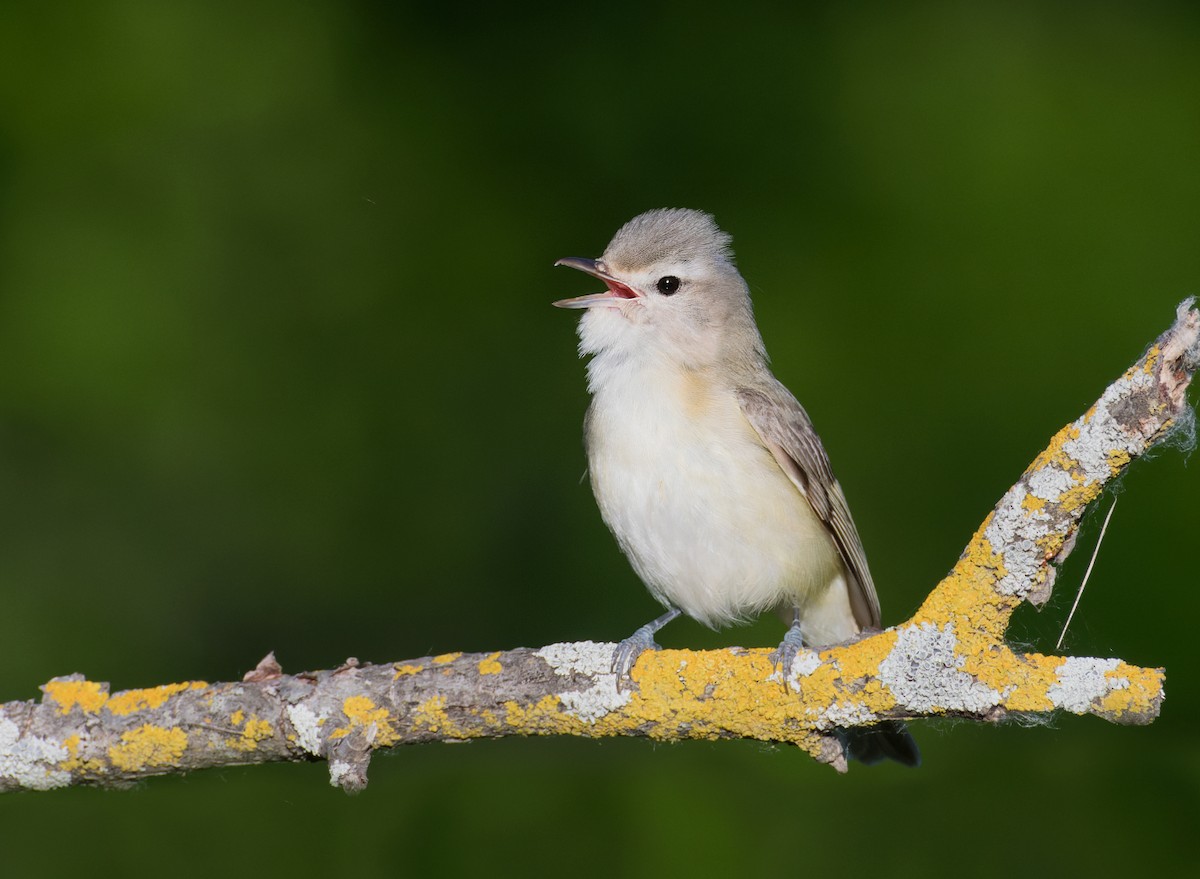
(595, 702)
(1104, 434)
(1014, 531)
(307, 726)
(844, 714)
(803, 665)
(1022, 562)
(924, 673)
(30, 760)
(339, 770)
(1050, 483)
(586, 659)
(579, 657)
(1081, 681)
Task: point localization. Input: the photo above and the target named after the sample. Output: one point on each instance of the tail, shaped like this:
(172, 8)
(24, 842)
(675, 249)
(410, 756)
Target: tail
(886, 741)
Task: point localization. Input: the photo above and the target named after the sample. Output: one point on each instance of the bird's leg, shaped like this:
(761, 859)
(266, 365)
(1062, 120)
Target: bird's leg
(789, 647)
(640, 641)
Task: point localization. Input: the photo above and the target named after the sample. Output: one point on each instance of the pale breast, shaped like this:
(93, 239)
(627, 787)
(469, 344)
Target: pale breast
(709, 521)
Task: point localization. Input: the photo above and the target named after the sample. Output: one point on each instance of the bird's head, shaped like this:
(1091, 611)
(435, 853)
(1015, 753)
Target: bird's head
(673, 292)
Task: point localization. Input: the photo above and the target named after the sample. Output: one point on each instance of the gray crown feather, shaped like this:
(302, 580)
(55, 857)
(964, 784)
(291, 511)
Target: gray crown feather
(677, 233)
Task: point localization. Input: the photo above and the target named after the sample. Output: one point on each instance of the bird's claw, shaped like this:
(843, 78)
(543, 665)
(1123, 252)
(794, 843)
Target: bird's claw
(785, 654)
(630, 649)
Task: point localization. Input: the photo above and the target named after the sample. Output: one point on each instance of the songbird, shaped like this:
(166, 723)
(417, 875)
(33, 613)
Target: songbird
(706, 469)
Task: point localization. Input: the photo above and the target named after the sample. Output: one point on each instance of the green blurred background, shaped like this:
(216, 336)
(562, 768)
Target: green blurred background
(278, 370)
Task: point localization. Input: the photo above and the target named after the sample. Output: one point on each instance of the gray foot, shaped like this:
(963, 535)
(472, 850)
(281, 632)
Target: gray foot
(638, 643)
(631, 648)
(786, 652)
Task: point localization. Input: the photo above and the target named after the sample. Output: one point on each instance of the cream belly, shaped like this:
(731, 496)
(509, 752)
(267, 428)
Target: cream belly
(706, 516)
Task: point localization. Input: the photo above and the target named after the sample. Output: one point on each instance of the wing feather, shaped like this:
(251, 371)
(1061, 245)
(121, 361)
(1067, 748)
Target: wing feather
(785, 429)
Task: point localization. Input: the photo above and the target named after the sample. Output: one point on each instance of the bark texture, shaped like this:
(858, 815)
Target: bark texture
(950, 659)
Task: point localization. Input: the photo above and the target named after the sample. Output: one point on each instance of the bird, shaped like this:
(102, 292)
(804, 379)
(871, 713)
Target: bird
(706, 469)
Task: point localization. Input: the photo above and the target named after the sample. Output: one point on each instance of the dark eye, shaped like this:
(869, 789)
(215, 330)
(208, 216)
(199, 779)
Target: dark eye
(668, 285)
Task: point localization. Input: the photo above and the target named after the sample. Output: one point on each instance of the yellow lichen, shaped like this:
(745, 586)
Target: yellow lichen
(254, 732)
(544, 716)
(147, 746)
(1118, 459)
(257, 729)
(1054, 454)
(237, 717)
(363, 710)
(967, 597)
(1151, 364)
(446, 657)
(90, 696)
(154, 697)
(73, 763)
(365, 716)
(1080, 496)
(1140, 689)
(713, 695)
(1010, 674)
(1033, 503)
(864, 661)
(490, 666)
(407, 669)
(980, 559)
(431, 714)
(71, 743)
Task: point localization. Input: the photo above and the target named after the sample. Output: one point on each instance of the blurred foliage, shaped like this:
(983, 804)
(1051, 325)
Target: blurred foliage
(278, 371)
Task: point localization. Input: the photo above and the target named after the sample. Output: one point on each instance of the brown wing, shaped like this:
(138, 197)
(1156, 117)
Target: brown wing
(784, 427)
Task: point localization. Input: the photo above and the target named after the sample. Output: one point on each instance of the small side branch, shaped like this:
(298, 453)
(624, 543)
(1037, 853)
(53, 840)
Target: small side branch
(950, 659)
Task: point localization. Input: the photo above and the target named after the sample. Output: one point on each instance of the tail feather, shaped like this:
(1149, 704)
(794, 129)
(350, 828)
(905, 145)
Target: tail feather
(889, 740)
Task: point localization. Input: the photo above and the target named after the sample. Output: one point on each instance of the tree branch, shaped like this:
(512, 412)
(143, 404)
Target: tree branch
(950, 659)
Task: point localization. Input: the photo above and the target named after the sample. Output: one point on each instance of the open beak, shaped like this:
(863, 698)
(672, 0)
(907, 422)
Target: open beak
(616, 293)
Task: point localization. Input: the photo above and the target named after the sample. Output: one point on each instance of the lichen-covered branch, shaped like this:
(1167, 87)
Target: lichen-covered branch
(950, 659)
